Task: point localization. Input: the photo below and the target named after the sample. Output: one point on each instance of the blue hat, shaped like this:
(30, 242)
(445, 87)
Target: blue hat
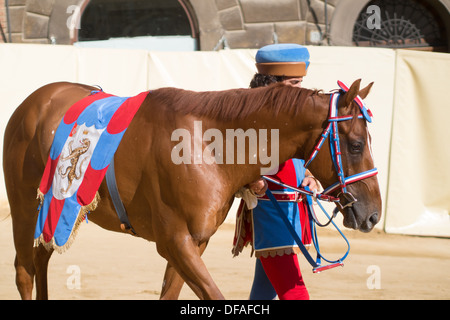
(284, 59)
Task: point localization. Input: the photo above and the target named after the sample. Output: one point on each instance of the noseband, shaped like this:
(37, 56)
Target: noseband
(332, 131)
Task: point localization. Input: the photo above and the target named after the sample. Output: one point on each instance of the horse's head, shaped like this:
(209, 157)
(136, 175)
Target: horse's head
(355, 159)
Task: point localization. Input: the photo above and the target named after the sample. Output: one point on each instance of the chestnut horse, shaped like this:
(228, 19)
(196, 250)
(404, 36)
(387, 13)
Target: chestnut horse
(180, 206)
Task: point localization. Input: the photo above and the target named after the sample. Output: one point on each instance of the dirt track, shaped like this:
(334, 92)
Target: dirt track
(116, 266)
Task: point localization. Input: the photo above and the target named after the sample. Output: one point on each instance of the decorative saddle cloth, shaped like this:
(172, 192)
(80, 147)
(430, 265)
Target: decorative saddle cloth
(84, 144)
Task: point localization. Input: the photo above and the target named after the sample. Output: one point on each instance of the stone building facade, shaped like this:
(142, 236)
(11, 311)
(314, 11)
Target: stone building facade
(251, 23)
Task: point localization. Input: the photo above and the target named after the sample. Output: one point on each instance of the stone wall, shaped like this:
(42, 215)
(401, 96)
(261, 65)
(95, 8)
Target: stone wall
(254, 23)
(221, 23)
(30, 20)
(239, 23)
(3, 21)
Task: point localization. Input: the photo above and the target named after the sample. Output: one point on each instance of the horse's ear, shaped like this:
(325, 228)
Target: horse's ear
(352, 92)
(363, 93)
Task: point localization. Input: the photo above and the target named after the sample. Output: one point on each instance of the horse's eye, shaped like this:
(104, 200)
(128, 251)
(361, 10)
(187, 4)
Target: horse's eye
(356, 147)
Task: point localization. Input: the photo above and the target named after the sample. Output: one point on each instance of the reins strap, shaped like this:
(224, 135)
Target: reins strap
(317, 267)
(320, 196)
(315, 240)
(291, 229)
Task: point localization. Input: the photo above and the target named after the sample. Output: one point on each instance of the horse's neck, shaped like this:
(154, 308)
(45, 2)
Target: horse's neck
(292, 136)
(269, 142)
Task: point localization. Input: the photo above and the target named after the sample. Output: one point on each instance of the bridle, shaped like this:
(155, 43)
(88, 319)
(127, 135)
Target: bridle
(332, 131)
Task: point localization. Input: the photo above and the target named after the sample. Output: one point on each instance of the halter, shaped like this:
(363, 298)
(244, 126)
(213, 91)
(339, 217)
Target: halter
(332, 131)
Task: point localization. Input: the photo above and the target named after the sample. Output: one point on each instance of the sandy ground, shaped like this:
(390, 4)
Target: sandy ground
(106, 265)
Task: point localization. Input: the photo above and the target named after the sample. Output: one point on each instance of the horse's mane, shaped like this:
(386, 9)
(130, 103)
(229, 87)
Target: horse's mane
(236, 103)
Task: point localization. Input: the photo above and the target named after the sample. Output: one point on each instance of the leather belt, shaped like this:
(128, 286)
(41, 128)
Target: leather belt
(283, 196)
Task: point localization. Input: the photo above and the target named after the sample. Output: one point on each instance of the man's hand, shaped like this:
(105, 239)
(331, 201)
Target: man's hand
(310, 182)
(258, 187)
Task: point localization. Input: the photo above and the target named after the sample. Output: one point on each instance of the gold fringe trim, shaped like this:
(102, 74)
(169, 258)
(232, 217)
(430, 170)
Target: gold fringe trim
(279, 252)
(276, 252)
(51, 245)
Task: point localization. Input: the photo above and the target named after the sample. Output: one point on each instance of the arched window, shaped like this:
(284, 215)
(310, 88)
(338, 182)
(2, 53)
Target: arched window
(400, 24)
(148, 24)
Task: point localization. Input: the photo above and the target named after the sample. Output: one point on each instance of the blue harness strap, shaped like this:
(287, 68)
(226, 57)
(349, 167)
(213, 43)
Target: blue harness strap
(316, 264)
(115, 196)
(291, 229)
(315, 240)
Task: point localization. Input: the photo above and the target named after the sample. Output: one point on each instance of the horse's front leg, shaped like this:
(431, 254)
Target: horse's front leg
(173, 282)
(184, 254)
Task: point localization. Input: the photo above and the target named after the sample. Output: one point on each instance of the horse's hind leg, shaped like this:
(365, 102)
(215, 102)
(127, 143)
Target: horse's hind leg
(173, 282)
(24, 278)
(41, 257)
(30, 261)
(23, 262)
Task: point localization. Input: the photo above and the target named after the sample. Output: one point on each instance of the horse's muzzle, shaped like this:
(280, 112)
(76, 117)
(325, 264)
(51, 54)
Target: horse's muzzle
(352, 220)
(353, 213)
(370, 222)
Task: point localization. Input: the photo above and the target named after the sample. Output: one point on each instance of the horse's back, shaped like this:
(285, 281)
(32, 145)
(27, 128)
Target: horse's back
(42, 109)
(29, 135)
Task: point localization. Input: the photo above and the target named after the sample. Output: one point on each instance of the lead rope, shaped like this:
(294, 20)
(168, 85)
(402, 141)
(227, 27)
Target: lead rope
(316, 264)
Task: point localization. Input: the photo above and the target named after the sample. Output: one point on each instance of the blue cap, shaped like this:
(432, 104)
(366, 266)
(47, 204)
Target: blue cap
(284, 59)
